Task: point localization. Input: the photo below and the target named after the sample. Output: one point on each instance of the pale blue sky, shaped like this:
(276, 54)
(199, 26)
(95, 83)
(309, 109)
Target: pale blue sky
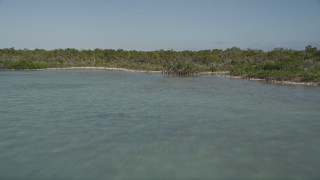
(159, 24)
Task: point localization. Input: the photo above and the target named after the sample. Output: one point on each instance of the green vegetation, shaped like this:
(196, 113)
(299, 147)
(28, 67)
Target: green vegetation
(279, 64)
(181, 68)
(24, 64)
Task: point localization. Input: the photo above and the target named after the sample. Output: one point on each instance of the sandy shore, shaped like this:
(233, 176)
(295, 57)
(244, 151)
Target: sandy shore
(103, 68)
(277, 82)
(215, 73)
(129, 70)
(224, 73)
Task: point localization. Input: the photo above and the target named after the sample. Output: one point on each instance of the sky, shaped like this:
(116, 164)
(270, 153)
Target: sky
(159, 24)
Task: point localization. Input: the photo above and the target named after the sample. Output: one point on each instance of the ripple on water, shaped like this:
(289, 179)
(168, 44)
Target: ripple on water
(124, 125)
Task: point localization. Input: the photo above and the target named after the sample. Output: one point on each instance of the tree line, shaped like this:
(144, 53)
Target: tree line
(278, 64)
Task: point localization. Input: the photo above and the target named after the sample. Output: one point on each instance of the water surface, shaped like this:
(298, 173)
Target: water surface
(122, 125)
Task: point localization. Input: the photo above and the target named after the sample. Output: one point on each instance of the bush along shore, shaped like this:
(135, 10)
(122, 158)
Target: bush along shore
(278, 66)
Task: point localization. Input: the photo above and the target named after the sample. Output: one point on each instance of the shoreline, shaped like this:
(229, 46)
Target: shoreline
(130, 70)
(103, 68)
(223, 73)
(276, 81)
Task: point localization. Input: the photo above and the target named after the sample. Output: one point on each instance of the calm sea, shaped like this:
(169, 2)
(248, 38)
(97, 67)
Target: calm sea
(101, 125)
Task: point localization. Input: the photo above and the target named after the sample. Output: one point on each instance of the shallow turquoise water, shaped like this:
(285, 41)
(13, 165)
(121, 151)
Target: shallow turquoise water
(121, 125)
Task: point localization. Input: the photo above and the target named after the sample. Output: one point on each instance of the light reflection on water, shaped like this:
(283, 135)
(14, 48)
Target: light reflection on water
(119, 125)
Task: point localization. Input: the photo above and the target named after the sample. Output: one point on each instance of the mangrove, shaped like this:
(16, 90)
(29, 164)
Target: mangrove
(279, 64)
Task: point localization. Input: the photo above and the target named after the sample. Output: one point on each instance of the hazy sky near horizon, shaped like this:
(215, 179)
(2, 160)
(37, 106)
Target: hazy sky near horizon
(159, 24)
